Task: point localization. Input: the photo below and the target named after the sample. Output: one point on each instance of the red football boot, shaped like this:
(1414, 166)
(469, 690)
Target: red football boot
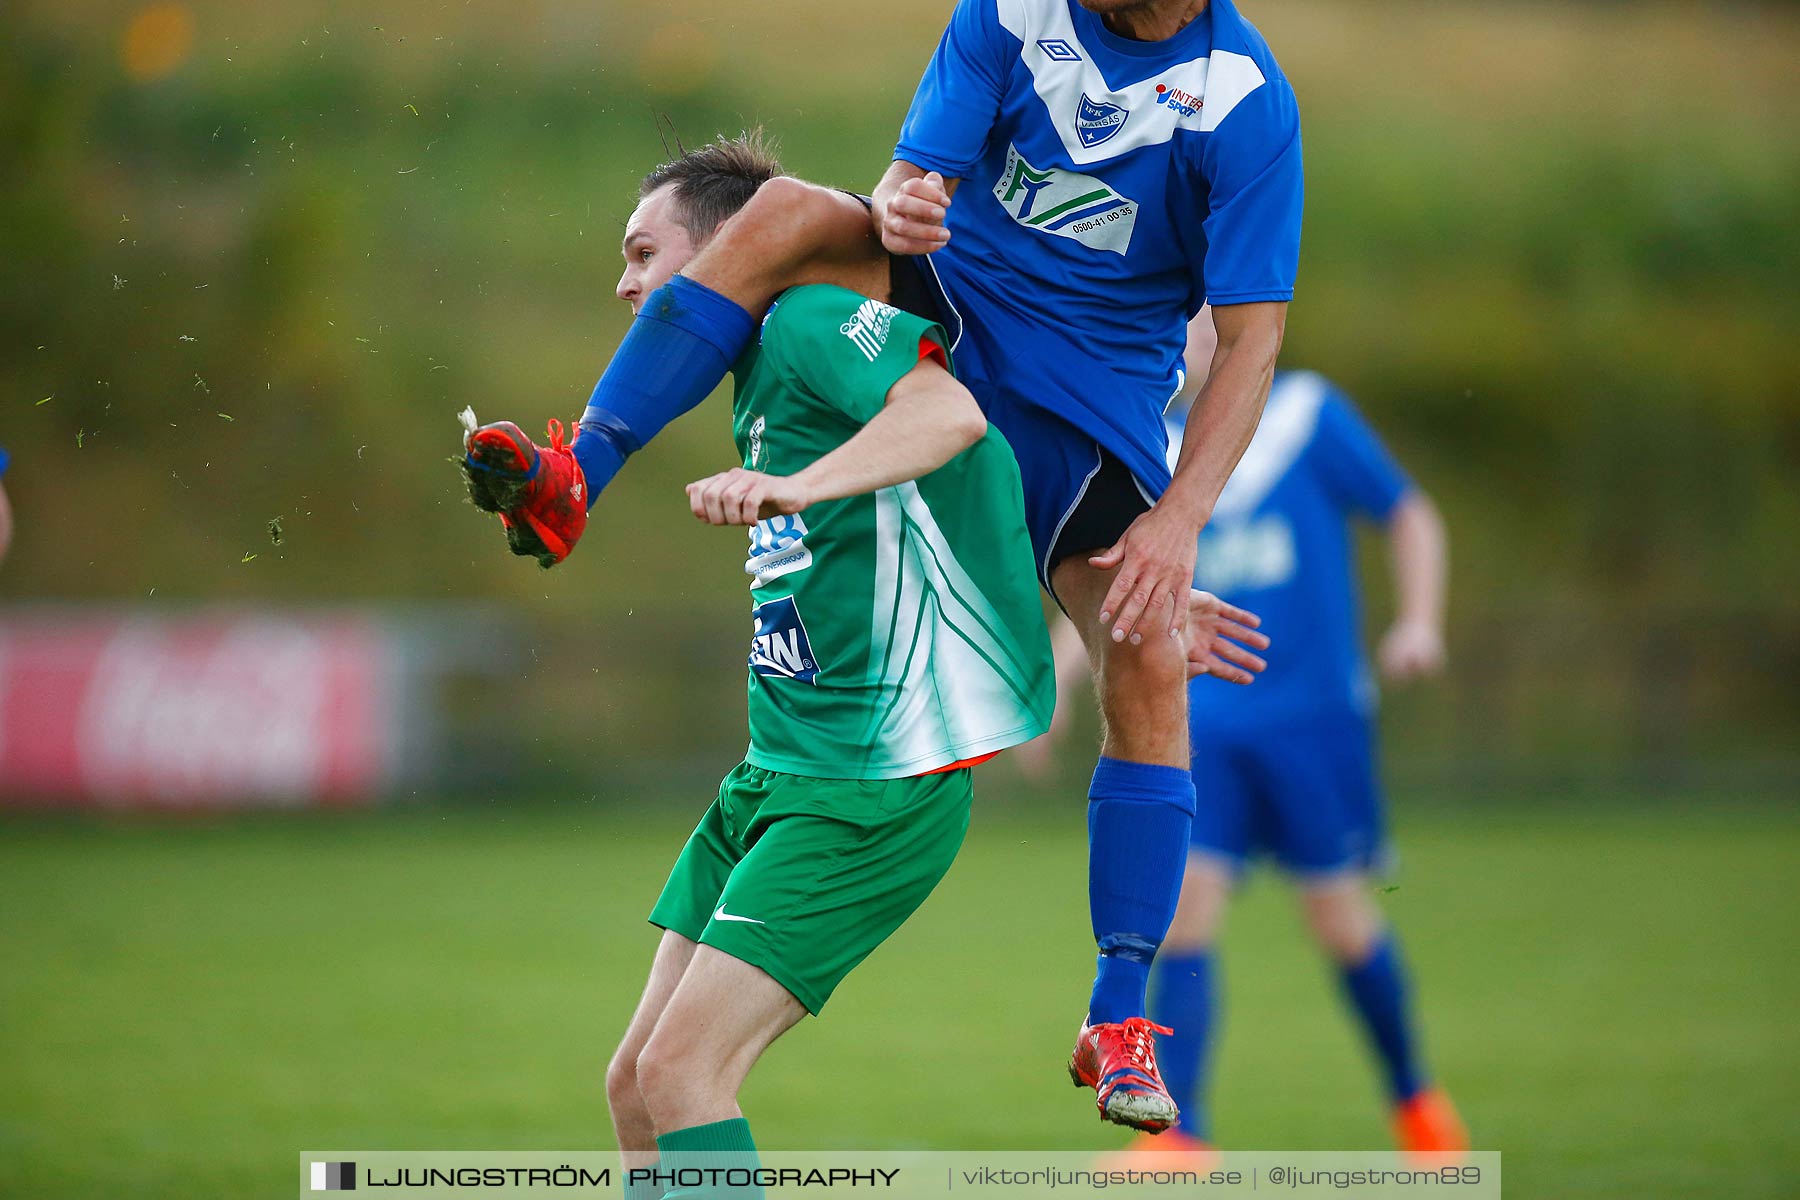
(539, 492)
(1119, 1062)
(1428, 1128)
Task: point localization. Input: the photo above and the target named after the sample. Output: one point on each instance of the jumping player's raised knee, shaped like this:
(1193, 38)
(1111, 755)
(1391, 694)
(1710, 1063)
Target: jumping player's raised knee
(780, 238)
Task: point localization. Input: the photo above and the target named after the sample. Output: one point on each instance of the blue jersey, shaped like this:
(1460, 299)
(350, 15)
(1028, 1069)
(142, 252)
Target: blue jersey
(1279, 544)
(1110, 187)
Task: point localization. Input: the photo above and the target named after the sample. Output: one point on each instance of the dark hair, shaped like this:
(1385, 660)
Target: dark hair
(715, 180)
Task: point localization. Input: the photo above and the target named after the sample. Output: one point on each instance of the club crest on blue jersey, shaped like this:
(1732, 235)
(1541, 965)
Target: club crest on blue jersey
(779, 648)
(1096, 121)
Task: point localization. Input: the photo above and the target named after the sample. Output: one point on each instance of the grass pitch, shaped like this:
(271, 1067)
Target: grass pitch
(1607, 989)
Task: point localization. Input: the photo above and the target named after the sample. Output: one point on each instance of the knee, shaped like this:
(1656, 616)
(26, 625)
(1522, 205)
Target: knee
(1346, 924)
(1199, 912)
(662, 1073)
(1158, 663)
(782, 211)
(622, 1078)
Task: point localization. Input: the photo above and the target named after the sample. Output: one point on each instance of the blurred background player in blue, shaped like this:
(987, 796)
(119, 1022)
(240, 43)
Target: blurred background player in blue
(1287, 768)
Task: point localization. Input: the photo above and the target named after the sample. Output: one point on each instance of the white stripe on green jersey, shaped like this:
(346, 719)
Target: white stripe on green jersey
(897, 632)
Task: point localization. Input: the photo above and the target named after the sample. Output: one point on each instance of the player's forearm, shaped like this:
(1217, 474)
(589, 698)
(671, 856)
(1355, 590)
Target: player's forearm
(1419, 549)
(929, 419)
(1224, 417)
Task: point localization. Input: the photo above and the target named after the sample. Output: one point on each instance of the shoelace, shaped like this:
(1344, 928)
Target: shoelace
(1140, 1045)
(555, 430)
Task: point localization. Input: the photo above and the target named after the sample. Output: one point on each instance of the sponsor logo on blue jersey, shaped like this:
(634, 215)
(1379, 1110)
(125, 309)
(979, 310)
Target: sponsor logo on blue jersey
(779, 648)
(1096, 121)
(1057, 50)
(1066, 203)
(1185, 103)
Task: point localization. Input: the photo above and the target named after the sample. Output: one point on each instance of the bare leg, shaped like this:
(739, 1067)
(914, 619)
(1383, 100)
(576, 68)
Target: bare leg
(1143, 688)
(1343, 917)
(723, 1015)
(792, 232)
(631, 1120)
(1201, 910)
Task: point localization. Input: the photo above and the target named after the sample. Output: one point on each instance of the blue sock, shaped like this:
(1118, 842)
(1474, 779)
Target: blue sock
(682, 344)
(1377, 990)
(1139, 816)
(1184, 1001)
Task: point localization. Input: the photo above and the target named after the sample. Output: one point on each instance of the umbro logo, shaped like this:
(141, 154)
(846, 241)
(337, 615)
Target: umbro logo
(719, 914)
(1057, 50)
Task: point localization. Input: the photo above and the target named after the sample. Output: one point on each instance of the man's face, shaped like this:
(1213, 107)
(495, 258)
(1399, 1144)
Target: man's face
(656, 246)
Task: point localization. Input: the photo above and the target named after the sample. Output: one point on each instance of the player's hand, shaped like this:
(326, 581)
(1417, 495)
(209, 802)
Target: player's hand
(1410, 650)
(740, 497)
(1219, 637)
(912, 222)
(1155, 561)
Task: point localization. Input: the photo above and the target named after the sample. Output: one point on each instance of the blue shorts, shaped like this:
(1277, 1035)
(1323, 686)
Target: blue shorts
(1083, 485)
(1306, 794)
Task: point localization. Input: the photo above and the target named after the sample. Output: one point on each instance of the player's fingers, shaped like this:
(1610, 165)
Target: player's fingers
(1174, 593)
(1134, 606)
(749, 503)
(912, 233)
(1115, 595)
(930, 189)
(1238, 633)
(1242, 616)
(903, 231)
(909, 232)
(911, 247)
(1220, 669)
(735, 494)
(916, 208)
(696, 494)
(714, 499)
(1232, 652)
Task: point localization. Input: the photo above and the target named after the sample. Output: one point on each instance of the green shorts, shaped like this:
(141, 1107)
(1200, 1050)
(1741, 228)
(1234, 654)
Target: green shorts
(804, 877)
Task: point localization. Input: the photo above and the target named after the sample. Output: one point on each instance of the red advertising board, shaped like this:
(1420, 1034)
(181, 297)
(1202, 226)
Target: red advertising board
(208, 711)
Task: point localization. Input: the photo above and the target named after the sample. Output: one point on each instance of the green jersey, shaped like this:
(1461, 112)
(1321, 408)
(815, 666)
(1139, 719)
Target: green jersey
(896, 632)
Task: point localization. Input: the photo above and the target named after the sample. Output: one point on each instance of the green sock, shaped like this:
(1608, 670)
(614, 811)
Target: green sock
(711, 1162)
(646, 1188)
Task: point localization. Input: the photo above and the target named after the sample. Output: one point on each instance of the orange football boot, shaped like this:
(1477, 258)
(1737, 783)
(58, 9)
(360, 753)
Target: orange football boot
(1428, 1125)
(1119, 1062)
(1170, 1150)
